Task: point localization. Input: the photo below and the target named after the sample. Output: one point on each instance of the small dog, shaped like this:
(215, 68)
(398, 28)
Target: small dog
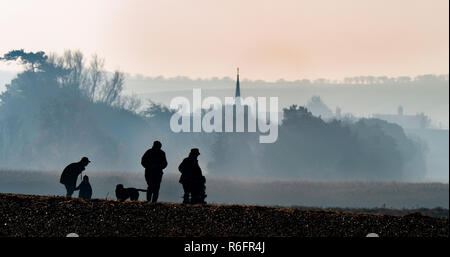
(122, 194)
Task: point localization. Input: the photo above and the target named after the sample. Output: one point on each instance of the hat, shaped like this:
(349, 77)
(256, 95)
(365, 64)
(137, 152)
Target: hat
(195, 151)
(85, 159)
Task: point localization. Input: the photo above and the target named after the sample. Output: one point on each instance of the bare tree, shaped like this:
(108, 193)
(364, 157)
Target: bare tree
(74, 62)
(111, 90)
(95, 76)
(132, 103)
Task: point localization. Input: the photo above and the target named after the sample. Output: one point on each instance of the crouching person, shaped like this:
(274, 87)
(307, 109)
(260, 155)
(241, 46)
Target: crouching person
(85, 189)
(199, 191)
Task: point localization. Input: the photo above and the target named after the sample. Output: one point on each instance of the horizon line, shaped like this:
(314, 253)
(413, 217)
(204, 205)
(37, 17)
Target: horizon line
(311, 80)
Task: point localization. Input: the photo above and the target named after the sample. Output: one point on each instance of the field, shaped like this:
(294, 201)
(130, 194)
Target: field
(315, 194)
(43, 216)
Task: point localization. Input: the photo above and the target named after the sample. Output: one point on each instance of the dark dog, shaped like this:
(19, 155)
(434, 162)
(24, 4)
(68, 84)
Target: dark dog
(123, 194)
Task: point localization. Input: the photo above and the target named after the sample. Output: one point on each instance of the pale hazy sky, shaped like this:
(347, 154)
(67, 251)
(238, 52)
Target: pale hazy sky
(267, 39)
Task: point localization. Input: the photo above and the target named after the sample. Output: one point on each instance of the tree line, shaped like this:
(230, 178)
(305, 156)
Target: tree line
(62, 107)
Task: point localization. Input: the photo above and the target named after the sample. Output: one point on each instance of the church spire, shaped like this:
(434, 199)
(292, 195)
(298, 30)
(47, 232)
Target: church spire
(238, 90)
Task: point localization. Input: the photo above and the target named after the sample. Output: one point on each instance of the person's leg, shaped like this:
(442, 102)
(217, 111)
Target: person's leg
(156, 184)
(155, 196)
(149, 193)
(149, 187)
(186, 193)
(70, 189)
(195, 193)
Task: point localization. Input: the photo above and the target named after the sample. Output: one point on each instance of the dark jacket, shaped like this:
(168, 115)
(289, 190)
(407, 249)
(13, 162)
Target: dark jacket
(190, 170)
(154, 161)
(70, 173)
(85, 190)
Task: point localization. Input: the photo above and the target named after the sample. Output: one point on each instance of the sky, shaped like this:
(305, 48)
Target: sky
(268, 40)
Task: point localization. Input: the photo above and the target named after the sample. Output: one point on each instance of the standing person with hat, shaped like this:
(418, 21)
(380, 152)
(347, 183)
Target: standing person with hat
(70, 175)
(154, 161)
(192, 179)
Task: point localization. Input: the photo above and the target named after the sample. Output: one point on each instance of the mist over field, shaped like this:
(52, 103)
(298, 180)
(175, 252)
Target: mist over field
(269, 192)
(60, 108)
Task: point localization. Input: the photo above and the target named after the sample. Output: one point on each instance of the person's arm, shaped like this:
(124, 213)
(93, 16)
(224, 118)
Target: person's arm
(164, 161)
(144, 159)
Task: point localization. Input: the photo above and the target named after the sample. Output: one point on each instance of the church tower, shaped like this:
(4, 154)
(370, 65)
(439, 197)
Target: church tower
(238, 90)
(237, 97)
(239, 109)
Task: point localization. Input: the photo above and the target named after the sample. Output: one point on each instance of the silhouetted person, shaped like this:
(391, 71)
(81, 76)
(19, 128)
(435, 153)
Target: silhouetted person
(85, 188)
(70, 174)
(154, 161)
(192, 179)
